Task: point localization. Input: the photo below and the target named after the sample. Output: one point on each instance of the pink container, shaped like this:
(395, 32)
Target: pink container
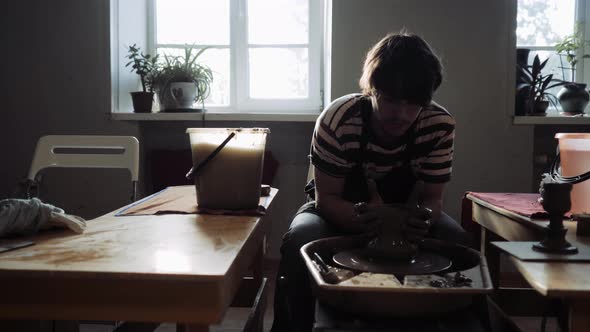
(574, 149)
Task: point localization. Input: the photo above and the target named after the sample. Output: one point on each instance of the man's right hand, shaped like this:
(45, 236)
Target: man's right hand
(366, 219)
(413, 222)
(417, 223)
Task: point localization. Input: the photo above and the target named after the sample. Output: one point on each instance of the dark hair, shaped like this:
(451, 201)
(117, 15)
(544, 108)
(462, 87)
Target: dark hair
(403, 67)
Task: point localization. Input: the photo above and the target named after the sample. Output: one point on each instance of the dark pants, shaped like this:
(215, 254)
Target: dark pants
(294, 301)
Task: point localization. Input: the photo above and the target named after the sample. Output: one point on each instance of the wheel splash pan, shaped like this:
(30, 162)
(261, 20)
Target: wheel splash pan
(404, 299)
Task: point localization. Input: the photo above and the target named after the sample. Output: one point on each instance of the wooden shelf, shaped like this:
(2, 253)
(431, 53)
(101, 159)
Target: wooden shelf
(285, 117)
(552, 119)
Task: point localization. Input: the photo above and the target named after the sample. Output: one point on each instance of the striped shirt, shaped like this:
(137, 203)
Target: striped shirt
(335, 146)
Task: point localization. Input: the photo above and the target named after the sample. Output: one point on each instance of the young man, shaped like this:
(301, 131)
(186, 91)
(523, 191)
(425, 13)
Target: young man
(373, 147)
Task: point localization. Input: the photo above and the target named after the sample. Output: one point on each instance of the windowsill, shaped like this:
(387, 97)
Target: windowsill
(549, 119)
(212, 116)
(552, 119)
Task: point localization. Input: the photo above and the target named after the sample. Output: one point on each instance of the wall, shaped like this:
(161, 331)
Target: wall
(54, 78)
(477, 50)
(475, 41)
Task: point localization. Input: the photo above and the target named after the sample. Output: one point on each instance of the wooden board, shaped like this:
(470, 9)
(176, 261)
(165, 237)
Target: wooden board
(568, 280)
(183, 268)
(527, 222)
(556, 278)
(524, 251)
(194, 247)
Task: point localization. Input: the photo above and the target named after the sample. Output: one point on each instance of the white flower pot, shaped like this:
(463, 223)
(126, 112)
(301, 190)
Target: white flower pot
(179, 96)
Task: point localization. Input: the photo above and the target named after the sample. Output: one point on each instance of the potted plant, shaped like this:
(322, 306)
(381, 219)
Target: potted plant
(522, 60)
(535, 87)
(573, 97)
(145, 66)
(181, 81)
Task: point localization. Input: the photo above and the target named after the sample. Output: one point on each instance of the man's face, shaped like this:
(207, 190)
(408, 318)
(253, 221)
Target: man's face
(394, 117)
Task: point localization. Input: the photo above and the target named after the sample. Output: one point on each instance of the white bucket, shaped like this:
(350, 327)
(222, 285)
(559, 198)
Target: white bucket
(231, 180)
(574, 149)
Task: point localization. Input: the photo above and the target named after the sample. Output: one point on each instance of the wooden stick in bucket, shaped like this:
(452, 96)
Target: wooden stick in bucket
(193, 171)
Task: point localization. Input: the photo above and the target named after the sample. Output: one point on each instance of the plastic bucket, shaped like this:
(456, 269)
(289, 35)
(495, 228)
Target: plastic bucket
(231, 179)
(574, 149)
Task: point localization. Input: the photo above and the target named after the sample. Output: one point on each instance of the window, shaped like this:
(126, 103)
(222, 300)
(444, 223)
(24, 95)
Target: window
(543, 23)
(265, 54)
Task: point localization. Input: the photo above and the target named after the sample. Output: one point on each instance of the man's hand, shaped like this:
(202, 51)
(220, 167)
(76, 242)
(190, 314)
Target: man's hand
(412, 222)
(365, 220)
(417, 223)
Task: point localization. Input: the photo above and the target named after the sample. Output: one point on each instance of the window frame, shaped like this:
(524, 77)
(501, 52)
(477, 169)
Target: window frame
(239, 101)
(582, 13)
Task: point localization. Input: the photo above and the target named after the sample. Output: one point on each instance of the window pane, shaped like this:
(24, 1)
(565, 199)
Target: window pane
(192, 22)
(218, 60)
(277, 73)
(278, 21)
(544, 22)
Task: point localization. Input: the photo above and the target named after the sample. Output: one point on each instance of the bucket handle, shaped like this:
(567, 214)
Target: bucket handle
(195, 170)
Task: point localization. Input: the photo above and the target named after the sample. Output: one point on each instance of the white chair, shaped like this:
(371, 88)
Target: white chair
(84, 151)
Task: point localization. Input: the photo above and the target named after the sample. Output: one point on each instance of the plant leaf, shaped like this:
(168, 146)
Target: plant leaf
(543, 64)
(546, 82)
(536, 67)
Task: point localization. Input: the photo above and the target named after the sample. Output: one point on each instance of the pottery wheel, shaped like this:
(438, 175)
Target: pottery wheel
(360, 260)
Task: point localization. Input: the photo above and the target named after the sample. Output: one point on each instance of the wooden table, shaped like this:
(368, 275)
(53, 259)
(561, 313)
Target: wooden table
(567, 280)
(165, 268)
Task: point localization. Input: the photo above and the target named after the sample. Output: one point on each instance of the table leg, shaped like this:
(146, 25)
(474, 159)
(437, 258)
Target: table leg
(258, 264)
(492, 255)
(579, 317)
(259, 304)
(191, 328)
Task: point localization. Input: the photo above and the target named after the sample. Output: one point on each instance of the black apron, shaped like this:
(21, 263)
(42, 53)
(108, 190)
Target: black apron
(395, 187)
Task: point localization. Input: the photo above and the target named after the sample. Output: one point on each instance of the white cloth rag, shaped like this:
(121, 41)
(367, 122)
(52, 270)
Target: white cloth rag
(28, 216)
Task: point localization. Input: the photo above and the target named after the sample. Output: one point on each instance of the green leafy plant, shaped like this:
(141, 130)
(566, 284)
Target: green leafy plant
(536, 85)
(184, 68)
(569, 47)
(143, 65)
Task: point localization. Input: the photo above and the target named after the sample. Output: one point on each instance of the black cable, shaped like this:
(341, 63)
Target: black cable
(562, 315)
(556, 176)
(546, 313)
